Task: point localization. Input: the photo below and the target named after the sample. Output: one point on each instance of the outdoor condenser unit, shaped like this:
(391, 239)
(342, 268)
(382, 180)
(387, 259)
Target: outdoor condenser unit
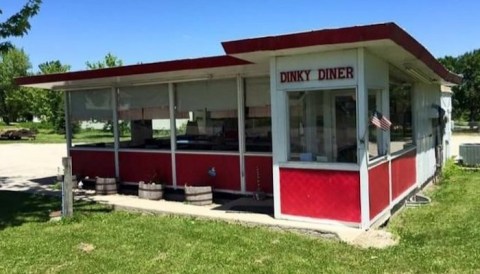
(470, 154)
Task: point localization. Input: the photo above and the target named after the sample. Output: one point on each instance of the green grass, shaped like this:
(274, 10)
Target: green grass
(442, 237)
(46, 135)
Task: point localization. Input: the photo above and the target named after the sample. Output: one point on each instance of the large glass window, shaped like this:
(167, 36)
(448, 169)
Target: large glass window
(143, 117)
(401, 131)
(91, 113)
(323, 126)
(206, 115)
(376, 146)
(258, 121)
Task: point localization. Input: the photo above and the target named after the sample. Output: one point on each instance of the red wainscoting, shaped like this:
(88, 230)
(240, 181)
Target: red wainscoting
(192, 169)
(143, 166)
(264, 165)
(378, 189)
(323, 194)
(93, 163)
(403, 173)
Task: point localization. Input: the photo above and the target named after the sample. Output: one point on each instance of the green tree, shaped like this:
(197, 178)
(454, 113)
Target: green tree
(466, 96)
(17, 24)
(15, 101)
(109, 61)
(49, 104)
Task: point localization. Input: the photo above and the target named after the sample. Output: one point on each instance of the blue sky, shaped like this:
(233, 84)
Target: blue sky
(77, 31)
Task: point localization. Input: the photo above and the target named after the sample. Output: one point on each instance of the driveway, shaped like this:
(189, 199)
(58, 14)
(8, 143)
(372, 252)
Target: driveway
(29, 166)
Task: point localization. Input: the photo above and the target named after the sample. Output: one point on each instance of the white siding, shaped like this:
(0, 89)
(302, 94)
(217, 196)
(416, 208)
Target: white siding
(424, 96)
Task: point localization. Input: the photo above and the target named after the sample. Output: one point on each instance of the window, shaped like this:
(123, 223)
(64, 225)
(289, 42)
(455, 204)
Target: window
(401, 132)
(92, 111)
(143, 117)
(206, 115)
(258, 120)
(376, 146)
(323, 126)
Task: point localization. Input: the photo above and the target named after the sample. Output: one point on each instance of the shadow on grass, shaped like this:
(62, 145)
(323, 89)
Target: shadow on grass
(17, 208)
(51, 180)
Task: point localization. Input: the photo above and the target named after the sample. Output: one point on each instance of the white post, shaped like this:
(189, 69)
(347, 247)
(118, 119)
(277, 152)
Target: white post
(116, 136)
(173, 132)
(67, 194)
(362, 127)
(241, 130)
(68, 125)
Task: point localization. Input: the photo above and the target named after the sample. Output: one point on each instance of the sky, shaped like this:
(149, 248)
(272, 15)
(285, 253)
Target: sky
(144, 31)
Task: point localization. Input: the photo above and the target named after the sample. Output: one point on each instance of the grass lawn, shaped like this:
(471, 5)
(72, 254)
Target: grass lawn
(441, 237)
(47, 135)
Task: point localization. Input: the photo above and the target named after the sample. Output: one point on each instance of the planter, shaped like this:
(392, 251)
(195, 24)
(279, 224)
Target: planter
(150, 191)
(105, 186)
(198, 195)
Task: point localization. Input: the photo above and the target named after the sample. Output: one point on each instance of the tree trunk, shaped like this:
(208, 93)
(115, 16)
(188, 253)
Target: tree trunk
(6, 120)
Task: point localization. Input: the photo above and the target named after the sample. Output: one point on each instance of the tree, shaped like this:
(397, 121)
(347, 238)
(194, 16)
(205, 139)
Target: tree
(17, 24)
(109, 61)
(15, 101)
(466, 96)
(49, 104)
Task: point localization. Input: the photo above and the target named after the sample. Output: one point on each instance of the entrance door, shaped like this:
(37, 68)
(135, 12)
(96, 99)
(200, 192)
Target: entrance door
(344, 127)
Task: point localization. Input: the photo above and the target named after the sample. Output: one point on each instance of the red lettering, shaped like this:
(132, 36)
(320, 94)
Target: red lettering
(283, 77)
(299, 75)
(321, 74)
(307, 74)
(293, 76)
(341, 73)
(350, 72)
(332, 73)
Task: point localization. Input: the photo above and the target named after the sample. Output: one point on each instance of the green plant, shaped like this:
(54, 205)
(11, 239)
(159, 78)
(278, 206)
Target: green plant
(450, 169)
(56, 185)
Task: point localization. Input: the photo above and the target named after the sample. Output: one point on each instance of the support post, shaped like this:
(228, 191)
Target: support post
(67, 193)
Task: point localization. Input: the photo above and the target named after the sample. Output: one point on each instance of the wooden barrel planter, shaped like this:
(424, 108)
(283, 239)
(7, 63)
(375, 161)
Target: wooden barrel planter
(105, 186)
(198, 195)
(150, 191)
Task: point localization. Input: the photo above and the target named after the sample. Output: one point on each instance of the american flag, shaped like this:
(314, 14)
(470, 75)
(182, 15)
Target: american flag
(380, 121)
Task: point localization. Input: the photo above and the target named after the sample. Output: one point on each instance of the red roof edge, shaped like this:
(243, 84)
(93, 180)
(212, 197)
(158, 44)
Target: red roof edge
(340, 36)
(176, 65)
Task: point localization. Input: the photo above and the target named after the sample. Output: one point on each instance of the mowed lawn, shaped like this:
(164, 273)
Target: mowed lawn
(442, 237)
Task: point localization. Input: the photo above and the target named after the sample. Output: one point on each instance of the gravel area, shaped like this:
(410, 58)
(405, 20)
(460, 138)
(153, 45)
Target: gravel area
(20, 163)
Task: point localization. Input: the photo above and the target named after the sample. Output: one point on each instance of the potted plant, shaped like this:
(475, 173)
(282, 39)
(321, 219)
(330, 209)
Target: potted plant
(151, 189)
(200, 195)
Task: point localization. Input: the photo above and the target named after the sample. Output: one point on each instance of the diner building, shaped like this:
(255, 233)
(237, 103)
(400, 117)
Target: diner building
(337, 125)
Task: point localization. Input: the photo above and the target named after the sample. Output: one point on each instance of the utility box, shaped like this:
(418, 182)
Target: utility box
(470, 154)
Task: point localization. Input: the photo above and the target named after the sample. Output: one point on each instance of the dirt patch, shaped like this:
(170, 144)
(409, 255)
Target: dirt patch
(87, 248)
(376, 239)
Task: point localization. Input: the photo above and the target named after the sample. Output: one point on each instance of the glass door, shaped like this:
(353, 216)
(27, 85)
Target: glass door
(344, 124)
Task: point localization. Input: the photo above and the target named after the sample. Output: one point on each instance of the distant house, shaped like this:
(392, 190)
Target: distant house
(338, 125)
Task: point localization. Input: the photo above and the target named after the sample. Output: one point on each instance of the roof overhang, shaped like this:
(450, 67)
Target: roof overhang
(387, 40)
(169, 71)
(251, 57)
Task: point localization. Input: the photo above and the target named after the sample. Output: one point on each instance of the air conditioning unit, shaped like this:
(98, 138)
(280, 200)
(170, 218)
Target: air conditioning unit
(470, 154)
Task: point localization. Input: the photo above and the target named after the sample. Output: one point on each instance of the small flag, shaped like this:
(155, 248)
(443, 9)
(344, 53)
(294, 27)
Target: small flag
(380, 121)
